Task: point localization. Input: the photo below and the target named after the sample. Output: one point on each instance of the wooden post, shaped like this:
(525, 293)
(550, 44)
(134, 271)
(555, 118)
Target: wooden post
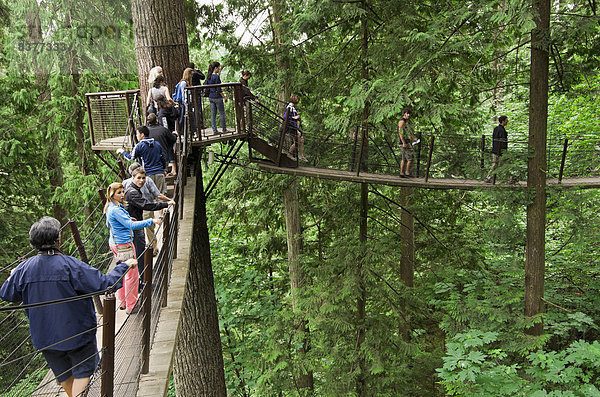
(102, 195)
(194, 93)
(176, 219)
(562, 160)
(84, 258)
(147, 312)
(420, 135)
(282, 138)
(482, 151)
(429, 158)
(360, 153)
(166, 245)
(122, 168)
(108, 347)
(353, 159)
(238, 102)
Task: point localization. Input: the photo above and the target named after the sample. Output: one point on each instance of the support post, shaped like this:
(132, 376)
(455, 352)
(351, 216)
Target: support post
(108, 347)
(282, 138)
(84, 258)
(429, 158)
(562, 160)
(122, 168)
(194, 94)
(147, 312)
(353, 159)
(238, 102)
(102, 195)
(419, 137)
(482, 151)
(362, 148)
(166, 245)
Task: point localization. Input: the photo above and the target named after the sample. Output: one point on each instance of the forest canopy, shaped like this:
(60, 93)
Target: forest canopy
(355, 325)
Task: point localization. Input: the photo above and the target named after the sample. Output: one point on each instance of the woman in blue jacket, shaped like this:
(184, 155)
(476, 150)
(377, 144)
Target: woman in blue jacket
(121, 227)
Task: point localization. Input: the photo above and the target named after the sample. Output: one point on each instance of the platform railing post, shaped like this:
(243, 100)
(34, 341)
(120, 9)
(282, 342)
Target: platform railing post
(282, 138)
(362, 148)
(238, 102)
(429, 158)
(166, 245)
(147, 312)
(108, 347)
(84, 258)
(482, 151)
(354, 144)
(562, 160)
(176, 220)
(420, 135)
(102, 195)
(194, 94)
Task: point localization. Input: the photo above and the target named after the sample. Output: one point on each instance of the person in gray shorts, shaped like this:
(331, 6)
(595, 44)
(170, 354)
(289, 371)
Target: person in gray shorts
(406, 144)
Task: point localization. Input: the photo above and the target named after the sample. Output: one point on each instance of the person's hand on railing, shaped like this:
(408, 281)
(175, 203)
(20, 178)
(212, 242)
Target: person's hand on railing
(171, 202)
(131, 263)
(157, 221)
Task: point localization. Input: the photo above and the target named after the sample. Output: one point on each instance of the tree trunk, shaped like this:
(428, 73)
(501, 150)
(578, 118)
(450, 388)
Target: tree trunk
(361, 302)
(160, 39)
(407, 235)
(198, 367)
(536, 166)
(297, 276)
(281, 60)
(52, 160)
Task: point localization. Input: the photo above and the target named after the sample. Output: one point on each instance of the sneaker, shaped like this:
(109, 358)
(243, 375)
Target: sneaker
(487, 180)
(303, 159)
(408, 175)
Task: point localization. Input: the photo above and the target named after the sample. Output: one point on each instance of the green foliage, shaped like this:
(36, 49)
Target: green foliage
(473, 365)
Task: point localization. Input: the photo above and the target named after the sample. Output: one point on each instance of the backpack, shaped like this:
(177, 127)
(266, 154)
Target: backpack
(178, 94)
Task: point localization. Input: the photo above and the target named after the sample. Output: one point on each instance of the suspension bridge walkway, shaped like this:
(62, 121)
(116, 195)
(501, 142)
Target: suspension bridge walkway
(129, 366)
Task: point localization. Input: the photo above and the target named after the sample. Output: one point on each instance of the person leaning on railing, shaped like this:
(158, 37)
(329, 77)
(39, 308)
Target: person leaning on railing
(120, 240)
(64, 332)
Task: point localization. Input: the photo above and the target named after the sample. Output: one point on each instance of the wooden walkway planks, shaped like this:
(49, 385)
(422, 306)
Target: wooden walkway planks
(432, 183)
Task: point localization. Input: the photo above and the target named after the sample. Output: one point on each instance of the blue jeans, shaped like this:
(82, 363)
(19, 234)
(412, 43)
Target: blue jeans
(217, 103)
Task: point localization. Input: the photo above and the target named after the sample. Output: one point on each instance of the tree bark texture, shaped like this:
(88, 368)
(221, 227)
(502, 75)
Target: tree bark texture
(282, 63)
(198, 366)
(361, 302)
(160, 39)
(297, 277)
(407, 236)
(52, 160)
(536, 166)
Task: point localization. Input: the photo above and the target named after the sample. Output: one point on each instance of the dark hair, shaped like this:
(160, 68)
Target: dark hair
(44, 234)
(159, 79)
(162, 102)
(294, 99)
(406, 110)
(191, 65)
(152, 119)
(142, 129)
(246, 72)
(501, 119)
(212, 67)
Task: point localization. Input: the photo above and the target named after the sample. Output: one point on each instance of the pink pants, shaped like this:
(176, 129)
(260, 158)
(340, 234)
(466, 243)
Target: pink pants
(128, 294)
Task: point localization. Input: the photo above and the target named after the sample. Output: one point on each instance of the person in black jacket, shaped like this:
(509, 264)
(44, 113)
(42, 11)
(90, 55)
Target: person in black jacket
(136, 204)
(197, 78)
(167, 113)
(499, 146)
(163, 136)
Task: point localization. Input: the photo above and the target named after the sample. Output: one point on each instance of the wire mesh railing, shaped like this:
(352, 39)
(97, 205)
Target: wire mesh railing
(23, 370)
(436, 155)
